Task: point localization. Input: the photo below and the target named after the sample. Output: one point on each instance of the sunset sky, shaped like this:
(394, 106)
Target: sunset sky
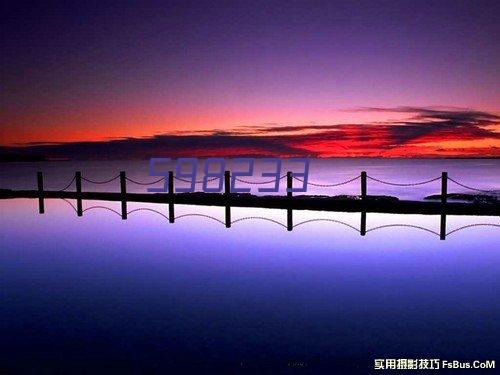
(319, 78)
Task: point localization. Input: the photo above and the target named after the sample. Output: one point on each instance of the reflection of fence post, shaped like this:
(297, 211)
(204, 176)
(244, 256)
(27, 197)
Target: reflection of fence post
(289, 184)
(289, 214)
(444, 187)
(41, 203)
(363, 185)
(442, 228)
(78, 183)
(444, 199)
(289, 219)
(171, 216)
(227, 191)
(362, 229)
(123, 191)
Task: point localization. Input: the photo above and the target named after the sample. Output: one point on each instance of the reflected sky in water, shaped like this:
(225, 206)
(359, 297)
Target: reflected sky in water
(99, 292)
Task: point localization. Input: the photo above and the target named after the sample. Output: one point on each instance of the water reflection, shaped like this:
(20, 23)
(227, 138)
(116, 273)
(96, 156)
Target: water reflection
(361, 229)
(80, 294)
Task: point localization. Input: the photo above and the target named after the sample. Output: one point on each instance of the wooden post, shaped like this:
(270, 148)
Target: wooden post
(171, 183)
(363, 185)
(289, 184)
(442, 228)
(227, 182)
(78, 183)
(362, 229)
(444, 187)
(41, 203)
(123, 191)
(171, 215)
(227, 191)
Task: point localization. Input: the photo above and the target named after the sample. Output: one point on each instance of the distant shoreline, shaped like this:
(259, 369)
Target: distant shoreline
(10, 158)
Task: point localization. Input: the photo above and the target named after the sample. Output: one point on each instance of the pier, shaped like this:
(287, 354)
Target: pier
(364, 203)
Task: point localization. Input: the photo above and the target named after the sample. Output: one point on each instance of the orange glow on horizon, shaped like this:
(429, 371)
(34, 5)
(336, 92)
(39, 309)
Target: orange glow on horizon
(389, 134)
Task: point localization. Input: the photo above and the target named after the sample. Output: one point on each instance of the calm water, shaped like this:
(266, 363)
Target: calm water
(97, 294)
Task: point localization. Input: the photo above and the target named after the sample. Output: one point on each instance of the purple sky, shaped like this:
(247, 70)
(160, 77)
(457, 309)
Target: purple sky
(93, 71)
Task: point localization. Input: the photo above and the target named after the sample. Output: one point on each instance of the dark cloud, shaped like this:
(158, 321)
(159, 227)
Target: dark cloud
(163, 145)
(433, 112)
(369, 139)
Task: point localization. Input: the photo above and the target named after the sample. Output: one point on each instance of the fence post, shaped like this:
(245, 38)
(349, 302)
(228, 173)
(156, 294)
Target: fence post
(227, 191)
(78, 183)
(289, 184)
(363, 185)
(171, 215)
(227, 182)
(123, 191)
(444, 187)
(289, 219)
(41, 203)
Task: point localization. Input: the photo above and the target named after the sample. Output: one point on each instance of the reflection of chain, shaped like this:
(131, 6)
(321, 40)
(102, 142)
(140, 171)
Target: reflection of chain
(258, 218)
(329, 220)
(102, 208)
(100, 182)
(144, 183)
(473, 225)
(71, 182)
(404, 226)
(294, 226)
